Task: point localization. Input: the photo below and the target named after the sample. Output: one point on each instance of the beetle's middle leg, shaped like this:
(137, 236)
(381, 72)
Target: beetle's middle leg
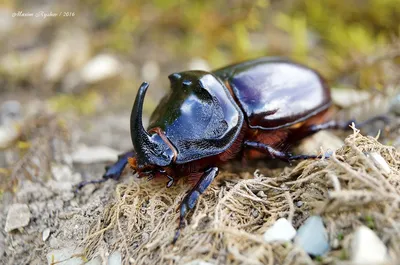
(189, 202)
(274, 153)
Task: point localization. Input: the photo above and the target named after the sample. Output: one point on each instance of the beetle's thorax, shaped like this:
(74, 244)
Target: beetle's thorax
(198, 116)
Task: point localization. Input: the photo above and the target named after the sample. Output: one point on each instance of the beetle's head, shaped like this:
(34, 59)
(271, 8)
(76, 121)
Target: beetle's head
(152, 149)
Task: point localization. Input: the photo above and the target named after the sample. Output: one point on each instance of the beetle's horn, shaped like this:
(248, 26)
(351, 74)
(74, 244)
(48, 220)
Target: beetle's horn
(140, 137)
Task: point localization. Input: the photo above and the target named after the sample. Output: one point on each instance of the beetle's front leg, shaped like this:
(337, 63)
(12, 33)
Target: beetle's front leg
(189, 202)
(115, 170)
(112, 172)
(273, 153)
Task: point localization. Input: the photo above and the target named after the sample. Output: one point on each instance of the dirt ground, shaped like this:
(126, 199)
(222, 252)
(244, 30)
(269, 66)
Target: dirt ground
(138, 218)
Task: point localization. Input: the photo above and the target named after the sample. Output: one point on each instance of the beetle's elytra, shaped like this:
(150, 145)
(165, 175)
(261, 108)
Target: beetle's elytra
(249, 109)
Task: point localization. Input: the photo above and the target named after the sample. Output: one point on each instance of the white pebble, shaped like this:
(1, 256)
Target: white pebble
(10, 112)
(65, 256)
(367, 248)
(199, 64)
(380, 162)
(18, 216)
(57, 60)
(8, 134)
(280, 231)
(115, 258)
(395, 105)
(101, 67)
(46, 234)
(61, 172)
(312, 236)
(346, 98)
(150, 71)
(262, 194)
(94, 154)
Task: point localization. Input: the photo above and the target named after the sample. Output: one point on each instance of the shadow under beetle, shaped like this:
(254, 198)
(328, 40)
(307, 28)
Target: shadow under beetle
(250, 110)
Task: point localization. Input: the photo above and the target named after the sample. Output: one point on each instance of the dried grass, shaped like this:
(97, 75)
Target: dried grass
(227, 224)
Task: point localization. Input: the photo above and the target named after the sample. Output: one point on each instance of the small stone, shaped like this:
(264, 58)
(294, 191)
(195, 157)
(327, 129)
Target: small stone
(299, 203)
(59, 187)
(323, 139)
(145, 237)
(8, 134)
(261, 194)
(72, 82)
(66, 256)
(18, 216)
(312, 236)
(395, 105)
(94, 154)
(55, 243)
(150, 70)
(10, 112)
(367, 248)
(115, 258)
(346, 98)
(254, 213)
(69, 49)
(46, 234)
(57, 60)
(280, 231)
(199, 64)
(380, 162)
(61, 172)
(6, 21)
(335, 243)
(101, 67)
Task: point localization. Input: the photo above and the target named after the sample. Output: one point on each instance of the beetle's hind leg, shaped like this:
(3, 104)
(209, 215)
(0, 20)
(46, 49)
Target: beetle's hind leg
(113, 171)
(274, 153)
(189, 202)
(344, 125)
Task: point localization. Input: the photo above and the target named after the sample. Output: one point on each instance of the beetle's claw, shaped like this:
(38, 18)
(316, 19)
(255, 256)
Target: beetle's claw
(84, 183)
(184, 210)
(170, 182)
(177, 233)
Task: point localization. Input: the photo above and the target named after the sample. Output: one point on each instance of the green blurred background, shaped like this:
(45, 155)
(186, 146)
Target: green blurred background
(92, 56)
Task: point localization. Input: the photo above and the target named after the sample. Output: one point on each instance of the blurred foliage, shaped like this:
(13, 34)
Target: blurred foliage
(333, 36)
(83, 104)
(353, 43)
(209, 29)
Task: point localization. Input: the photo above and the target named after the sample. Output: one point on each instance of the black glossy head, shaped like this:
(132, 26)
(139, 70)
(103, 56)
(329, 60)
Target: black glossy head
(198, 115)
(150, 150)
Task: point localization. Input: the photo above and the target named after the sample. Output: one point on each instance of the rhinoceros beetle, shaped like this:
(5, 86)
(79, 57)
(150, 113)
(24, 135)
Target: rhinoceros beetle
(251, 110)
